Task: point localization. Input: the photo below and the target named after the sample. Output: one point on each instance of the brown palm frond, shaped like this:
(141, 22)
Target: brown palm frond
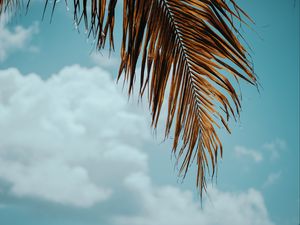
(193, 46)
(6, 5)
(187, 43)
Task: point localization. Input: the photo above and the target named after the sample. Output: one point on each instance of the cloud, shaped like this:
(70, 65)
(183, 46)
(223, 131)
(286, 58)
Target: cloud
(168, 205)
(69, 139)
(275, 147)
(271, 179)
(55, 181)
(105, 59)
(241, 151)
(16, 38)
(73, 139)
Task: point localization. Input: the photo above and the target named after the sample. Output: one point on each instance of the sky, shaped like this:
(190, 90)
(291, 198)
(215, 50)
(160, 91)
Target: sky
(74, 149)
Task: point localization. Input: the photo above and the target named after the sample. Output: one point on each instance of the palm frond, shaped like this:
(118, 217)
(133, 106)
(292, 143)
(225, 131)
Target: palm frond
(193, 45)
(6, 5)
(187, 43)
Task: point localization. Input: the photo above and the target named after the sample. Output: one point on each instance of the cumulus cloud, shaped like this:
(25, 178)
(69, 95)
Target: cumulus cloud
(168, 205)
(241, 151)
(73, 139)
(16, 38)
(68, 139)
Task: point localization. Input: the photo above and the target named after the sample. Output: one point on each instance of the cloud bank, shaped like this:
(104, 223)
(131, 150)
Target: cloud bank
(67, 139)
(168, 205)
(74, 140)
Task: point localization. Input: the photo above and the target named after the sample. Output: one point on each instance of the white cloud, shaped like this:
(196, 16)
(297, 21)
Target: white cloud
(275, 147)
(74, 140)
(105, 59)
(271, 179)
(55, 181)
(168, 205)
(16, 38)
(69, 139)
(241, 151)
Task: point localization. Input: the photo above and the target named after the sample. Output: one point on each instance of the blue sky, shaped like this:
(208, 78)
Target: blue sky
(73, 150)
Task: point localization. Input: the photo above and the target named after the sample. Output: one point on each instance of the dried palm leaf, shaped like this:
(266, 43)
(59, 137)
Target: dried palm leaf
(193, 45)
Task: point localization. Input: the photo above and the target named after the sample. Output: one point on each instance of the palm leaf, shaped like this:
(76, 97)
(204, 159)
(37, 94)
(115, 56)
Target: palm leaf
(193, 46)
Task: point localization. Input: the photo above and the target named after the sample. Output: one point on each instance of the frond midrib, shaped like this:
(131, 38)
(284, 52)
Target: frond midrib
(184, 54)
